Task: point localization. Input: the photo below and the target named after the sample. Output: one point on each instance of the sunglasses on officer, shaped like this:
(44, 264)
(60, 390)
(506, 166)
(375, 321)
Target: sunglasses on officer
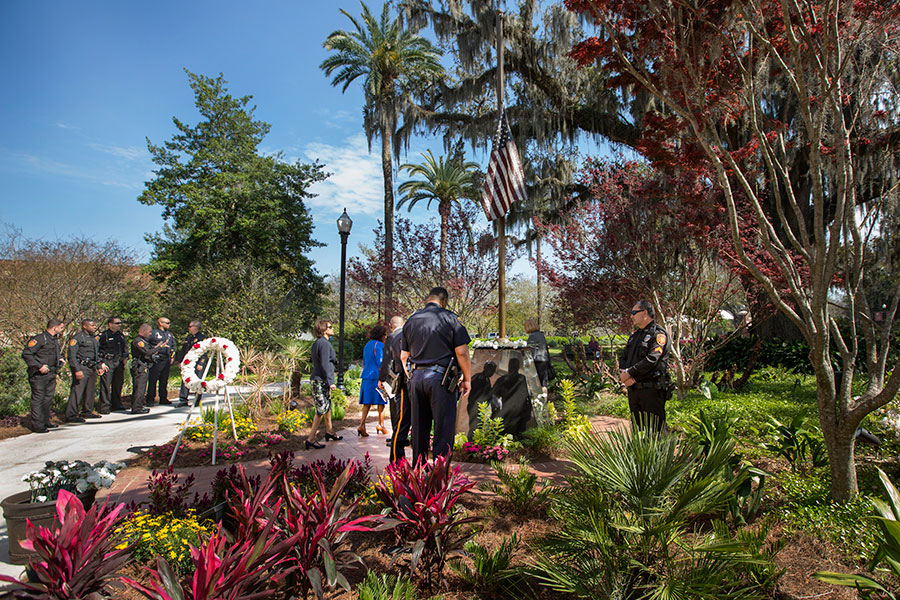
(634, 312)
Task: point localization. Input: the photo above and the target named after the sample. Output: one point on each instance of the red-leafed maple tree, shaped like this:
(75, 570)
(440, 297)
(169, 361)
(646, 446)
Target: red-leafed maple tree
(647, 234)
(792, 107)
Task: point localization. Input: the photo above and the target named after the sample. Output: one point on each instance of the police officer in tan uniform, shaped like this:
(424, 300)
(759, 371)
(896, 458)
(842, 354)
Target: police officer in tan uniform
(85, 364)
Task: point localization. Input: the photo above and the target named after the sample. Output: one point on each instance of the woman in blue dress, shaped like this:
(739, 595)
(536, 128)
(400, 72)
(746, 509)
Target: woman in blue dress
(368, 392)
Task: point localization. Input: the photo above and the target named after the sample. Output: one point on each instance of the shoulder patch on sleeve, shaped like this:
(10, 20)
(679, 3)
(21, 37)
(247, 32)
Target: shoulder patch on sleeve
(141, 344)
(32, 342)
(73, 341)
(661, 339)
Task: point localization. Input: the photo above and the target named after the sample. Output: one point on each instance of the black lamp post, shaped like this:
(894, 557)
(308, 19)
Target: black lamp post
(344, 224)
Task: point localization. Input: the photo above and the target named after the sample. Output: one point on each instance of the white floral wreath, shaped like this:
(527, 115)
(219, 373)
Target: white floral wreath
(231, 361)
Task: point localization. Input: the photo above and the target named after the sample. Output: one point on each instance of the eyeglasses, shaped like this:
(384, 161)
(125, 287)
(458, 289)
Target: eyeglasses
(116, 323)
(634, 312)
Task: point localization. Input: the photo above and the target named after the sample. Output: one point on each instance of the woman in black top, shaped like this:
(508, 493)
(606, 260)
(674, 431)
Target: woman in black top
(322, 382)
(539, 351)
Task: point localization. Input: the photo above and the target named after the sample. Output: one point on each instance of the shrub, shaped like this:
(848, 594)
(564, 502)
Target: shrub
(169, 535)
(306, 476)
(243, 425)
(315, 524)
(575, 424)
(624, 523)
(198, 431)
(291, 421)
(14, 391)
(471, 452)
(222, 569)
(385, 587)
(338, 405)
(490, 430)
(490, 571)
(422, 501)
(77, 556)
(546, 440)
(888, 551)
(519, 487)
(165, 496)
(797, 444)
(231, 450)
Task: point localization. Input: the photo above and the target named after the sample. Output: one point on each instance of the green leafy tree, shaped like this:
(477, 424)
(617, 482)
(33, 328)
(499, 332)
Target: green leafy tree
(222, 199)
(447, 182)
(397, 66)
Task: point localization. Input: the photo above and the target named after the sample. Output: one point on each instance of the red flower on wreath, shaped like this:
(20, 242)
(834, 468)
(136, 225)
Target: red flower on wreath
(188, 380)
(230, 359)
(187, 362)
(213, 341)
(224, 346)
(196, 345)
(221, 375)
(203, 384)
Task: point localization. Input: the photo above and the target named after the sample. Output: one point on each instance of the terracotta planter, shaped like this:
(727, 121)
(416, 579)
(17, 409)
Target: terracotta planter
(18, 508)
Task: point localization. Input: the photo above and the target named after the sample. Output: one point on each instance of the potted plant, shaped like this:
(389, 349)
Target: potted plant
(39, 503)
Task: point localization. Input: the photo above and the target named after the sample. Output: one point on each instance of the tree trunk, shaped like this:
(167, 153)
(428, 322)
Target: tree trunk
(841, 445)
(387, 169)
(444, 210)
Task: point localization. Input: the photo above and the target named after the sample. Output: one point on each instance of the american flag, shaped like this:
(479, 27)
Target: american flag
(505, 181)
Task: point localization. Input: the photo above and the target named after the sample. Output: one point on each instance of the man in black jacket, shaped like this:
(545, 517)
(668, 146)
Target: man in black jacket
(85, 364)
(114, 354)
(643, 368)
(41, 355)
(194, 336)
(392, 376)
(142, 358)
(163, 343)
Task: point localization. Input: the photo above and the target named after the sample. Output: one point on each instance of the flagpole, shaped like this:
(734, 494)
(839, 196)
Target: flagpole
(501, 222)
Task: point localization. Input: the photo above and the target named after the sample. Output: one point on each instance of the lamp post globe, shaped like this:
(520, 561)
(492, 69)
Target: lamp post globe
(344, 225)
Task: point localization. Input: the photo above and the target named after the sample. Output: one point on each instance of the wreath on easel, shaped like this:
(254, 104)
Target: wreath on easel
(230, 361)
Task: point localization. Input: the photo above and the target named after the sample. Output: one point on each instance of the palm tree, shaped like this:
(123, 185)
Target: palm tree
(446, 182)
(397, 66)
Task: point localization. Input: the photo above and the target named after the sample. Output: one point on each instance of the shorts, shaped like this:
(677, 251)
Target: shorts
(321, 396)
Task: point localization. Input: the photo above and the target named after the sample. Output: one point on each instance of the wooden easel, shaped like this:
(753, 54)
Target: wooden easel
(219, 370)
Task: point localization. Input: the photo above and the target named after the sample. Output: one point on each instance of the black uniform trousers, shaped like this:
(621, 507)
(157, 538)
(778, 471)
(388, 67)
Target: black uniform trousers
(430, 402)
(43, 386)
(400, 420)
(111, 385)
(139, 377)
(184, 392)
(159, 376)
(645, 400)
(81, 395)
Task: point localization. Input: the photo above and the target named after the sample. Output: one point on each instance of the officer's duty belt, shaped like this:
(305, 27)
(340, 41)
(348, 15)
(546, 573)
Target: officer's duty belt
(436, 368)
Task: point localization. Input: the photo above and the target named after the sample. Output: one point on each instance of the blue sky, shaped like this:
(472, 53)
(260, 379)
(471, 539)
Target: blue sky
(84, 83)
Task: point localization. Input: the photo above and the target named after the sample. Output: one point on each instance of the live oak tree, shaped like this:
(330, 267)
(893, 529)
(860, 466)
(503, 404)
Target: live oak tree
(791, 109)
(397, 68)
(224, 200)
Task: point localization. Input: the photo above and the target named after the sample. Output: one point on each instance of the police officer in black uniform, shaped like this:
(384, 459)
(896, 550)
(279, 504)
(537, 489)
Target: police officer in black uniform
(114, 354)
(164, 343)
(393, 374)
(85, 364)
(41, 355)
(643, 368)
(433, 338)
(194, 336)
(143, 356)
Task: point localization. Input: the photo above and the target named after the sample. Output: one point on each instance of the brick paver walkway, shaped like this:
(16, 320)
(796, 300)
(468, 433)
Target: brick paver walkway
(131, 484)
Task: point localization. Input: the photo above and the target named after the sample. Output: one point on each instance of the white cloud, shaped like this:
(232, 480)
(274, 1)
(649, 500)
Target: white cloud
(356, 180)
(40, 164)
(126, 152)
(63, 125)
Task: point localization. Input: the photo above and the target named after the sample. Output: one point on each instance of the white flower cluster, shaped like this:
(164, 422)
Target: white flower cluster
(508, 345)
(75, 476)
(891, 421)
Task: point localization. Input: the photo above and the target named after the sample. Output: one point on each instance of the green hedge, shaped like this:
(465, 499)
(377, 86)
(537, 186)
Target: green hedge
(15, 395)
